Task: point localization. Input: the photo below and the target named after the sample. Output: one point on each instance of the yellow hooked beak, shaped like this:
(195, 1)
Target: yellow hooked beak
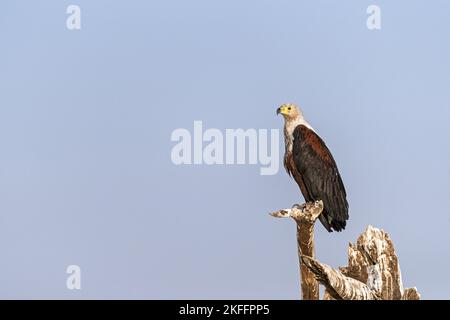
(282, 110)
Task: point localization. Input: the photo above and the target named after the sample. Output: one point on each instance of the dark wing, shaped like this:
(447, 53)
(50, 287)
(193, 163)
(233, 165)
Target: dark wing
(321, 177)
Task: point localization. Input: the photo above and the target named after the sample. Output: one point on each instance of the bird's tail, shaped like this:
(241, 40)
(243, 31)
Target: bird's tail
(331, 224)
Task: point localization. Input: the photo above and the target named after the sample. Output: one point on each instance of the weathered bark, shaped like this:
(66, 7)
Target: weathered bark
(305, 216)
(411, 294)
(338, 285)
(327, 295)
(373, 270)
(372, 260)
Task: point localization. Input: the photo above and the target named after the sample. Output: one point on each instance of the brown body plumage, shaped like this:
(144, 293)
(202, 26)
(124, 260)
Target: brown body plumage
(308, 160)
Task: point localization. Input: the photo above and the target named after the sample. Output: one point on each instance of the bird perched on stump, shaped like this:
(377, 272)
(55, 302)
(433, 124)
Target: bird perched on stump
(308, 160)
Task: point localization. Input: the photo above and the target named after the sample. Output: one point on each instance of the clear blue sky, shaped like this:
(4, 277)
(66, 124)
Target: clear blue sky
(86, 118)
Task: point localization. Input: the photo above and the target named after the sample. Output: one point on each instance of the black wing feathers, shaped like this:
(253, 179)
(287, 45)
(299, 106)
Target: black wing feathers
(321, 177)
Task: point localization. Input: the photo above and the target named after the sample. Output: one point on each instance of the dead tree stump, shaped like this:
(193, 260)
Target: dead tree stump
(305, 215)
(373, 271)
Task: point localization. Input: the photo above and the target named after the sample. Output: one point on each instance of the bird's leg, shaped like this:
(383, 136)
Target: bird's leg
(300, 207)
(308, 211)
(307, 205)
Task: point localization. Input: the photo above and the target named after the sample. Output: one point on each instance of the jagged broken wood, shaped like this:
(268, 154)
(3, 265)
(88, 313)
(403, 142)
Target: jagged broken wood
(373, 271)
(337, 284)
(305, 216)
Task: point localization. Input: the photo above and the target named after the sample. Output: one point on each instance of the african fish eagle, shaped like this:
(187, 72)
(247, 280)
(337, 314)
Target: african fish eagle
(308, 160)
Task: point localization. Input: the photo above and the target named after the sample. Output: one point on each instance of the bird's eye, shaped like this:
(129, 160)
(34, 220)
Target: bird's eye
(289, 108)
